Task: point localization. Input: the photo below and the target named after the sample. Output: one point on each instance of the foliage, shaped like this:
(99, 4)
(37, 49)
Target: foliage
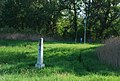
(36, 14)
(62, 17)
(103, 17)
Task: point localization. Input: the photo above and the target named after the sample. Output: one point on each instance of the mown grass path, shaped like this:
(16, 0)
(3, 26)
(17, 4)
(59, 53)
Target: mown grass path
(64, 62)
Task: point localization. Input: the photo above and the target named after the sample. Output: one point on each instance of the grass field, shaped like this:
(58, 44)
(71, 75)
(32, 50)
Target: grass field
(64, 62)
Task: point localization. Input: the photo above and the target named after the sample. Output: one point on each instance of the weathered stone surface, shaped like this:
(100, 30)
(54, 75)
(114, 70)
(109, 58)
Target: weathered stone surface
(39, 63)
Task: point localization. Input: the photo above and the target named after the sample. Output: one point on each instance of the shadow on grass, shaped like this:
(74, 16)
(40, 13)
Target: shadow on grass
(15, 42)
(28, 42)
(15, 62)
(79, 61)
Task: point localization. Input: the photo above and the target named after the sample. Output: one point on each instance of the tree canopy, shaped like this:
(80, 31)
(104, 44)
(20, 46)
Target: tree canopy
(63, 18)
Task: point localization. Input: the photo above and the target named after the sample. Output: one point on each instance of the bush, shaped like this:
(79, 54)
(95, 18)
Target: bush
(110, 52)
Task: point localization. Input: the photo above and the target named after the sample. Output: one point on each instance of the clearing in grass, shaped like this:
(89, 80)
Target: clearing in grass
(64, 62)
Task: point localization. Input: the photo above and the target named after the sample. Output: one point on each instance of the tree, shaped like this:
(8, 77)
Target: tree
(102, 17)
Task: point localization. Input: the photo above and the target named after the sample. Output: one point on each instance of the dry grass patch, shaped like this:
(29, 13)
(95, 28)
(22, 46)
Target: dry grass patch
(110, 52)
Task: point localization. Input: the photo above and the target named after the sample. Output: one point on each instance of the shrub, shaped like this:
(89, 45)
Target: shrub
(110, 52)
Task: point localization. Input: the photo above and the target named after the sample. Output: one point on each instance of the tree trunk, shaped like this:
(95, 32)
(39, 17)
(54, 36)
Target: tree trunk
(75, 21)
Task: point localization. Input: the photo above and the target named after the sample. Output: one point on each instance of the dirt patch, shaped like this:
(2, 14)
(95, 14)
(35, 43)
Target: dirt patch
(19, 36)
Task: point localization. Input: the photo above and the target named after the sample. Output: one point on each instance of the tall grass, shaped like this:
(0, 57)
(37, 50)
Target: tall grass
(110, 52)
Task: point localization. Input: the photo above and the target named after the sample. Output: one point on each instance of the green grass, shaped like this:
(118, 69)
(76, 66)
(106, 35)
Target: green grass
(64, 62)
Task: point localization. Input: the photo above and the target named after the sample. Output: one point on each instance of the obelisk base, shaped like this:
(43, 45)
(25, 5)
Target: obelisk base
(39, 65)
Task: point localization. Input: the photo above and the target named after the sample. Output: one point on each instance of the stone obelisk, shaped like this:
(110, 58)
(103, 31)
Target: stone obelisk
(39, 63)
